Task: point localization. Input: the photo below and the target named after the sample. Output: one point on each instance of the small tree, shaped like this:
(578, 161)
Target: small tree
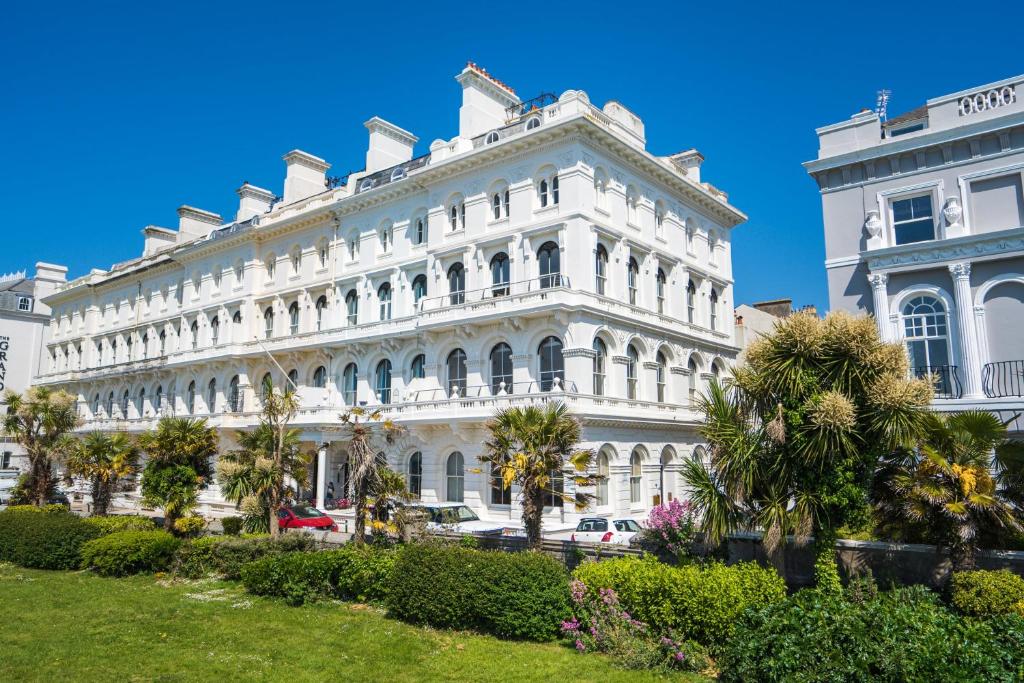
(944, 491)
(38, 421)
(104, 460)
(530, 447)
(258, 476)
(366, 438)
(179, 450)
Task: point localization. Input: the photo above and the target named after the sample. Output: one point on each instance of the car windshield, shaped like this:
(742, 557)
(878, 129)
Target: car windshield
(454, 515)
(306, 512)
(626, 525)
(593, 525)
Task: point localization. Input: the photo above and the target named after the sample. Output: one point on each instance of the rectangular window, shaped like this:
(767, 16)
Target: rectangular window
(5, 460)
(24, 304)
(997, 203)
(912, 219)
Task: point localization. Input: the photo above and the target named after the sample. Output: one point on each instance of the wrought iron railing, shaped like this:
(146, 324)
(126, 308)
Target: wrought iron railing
(1003, 378)
(945, 378)
(495, 291)
(458, 391)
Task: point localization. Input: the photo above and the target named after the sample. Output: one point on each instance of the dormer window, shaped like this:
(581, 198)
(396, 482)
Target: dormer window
(24, 303)
(397, 174)
(533, 122)
(491, 138)
(367, 184)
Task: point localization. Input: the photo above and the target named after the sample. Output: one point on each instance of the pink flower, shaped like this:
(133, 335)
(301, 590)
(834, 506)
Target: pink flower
(580, 646)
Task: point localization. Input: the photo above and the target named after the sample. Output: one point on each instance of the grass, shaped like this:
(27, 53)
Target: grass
(77, 626)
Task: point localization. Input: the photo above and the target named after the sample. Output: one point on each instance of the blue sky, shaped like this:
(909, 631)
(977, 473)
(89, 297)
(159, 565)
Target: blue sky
(111, 116)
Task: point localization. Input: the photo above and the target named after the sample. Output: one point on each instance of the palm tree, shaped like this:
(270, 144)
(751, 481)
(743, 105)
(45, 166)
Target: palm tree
(530, 447)
(179, 450)
(795, 438)
(104, 460)
(38, 420)
(366, 439)
(944, 491)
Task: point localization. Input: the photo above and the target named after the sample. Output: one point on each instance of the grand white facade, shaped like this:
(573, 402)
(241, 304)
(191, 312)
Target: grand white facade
(924, 228)
(541, 253)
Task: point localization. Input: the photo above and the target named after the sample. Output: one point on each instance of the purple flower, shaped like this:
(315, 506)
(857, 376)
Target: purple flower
(680, 656)
(580, 647)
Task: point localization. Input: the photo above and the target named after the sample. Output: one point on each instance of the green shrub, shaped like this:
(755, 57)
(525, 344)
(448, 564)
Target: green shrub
(701, 603)
(43, 540)
(512, 595)
(232, 525)
(904, 635)
(985, 593)
(51, 507)
(351, 573)
(110, 524)
(130, 552)
(190, 526)
(224, 556)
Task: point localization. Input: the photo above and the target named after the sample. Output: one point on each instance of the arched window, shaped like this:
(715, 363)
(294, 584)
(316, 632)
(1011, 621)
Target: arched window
(692, 381)
(124, 404)
(194, 331)
(236, 331)
(128, 347)
(145, 346)
(321, 306)
(397, 174)
(691, 301)
(113, 351)
(600, 361)
(419, 230)
(190, 398)
(632, 206)
(266, 386)
(95, 405)
(414, 478)
(501, 369)
(418, 367)
(549, 265)
(499, 275)
(491, 138)
(384, 297)
(110, 404)
(352, 307)
(214, 331)
(659, 220)
(661, 376)
(602, 481)
(270, 264)
(349, 382)
(635, 476)
(419, 288)
(557, 485)
(293, 380)
(211, 396)
(456, 475)
(457, 284)
(456, 370)
(601, 269)
(239, 271)
(533, 122)
(158, 401)
(632, 362)
(320, 377)
(321, 252)
(713, 309)
(547, 191)
(234, 396)
(382, 381)
(296, 260)
(660, 281)
(293, 317)
(926, 331)
(385, 237)
(632, 274)
(496, 205)
(457, 215)
(140, 404)
(552, 364)
(163, 342)
(268, 322)
(500, 495)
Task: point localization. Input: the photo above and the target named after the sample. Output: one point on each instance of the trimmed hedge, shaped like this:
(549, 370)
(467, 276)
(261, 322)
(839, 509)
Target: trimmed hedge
(110, 524)
(700, 603)
(224, 556)
(43, 539)
(902, 635)
(350, 573)
(512, 595)
(984, 593)
(130, 552)
(232, 525)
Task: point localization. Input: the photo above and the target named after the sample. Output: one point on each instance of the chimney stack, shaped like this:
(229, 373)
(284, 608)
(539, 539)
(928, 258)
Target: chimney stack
(156, 238)
(780, 308)
(193, 223)
(389, 145)
(689, 163)
(484, 101)
(252, 201)
(306, 175)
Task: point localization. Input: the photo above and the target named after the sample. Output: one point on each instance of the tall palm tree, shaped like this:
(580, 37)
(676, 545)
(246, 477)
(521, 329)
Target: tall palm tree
(530, 447)
(38, 420)
(368, 433)
(180, 450)
(948, 490)
(104, 460)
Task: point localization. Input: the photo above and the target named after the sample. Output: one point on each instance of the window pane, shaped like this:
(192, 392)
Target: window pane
(915, 231)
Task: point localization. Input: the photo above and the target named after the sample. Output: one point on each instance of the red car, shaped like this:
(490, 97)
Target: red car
(304, 517)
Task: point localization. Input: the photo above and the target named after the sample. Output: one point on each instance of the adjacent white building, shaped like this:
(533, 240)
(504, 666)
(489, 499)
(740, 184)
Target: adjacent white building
(541, 253)
(924, 228)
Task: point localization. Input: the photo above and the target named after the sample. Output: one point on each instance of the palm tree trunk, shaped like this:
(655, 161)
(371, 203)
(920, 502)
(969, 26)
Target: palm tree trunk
(533, 511)
(100, 497)
(360, 511)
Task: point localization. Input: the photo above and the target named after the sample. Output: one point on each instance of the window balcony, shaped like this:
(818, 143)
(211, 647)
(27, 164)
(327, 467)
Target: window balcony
(1003, 379)
(945, 379)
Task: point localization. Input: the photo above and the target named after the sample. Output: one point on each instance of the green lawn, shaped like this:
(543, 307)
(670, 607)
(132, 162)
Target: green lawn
(79, 627)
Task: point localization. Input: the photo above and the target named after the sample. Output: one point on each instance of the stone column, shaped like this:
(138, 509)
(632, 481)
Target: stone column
(969, 357)
(321, 475)
(880, 300)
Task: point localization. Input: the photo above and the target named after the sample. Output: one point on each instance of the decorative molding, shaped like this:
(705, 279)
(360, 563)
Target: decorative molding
(960, 248)
(578, 352)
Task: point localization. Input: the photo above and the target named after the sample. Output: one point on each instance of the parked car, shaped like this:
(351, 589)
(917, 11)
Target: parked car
(455, 518)
(601, 530)
(304, 517)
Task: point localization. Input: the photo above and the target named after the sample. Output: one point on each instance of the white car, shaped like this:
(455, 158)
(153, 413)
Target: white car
(601, 530)
(455, 518)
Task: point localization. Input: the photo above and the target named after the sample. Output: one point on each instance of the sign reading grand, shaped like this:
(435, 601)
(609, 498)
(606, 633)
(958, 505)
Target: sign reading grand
(989, 99)
(5, 345)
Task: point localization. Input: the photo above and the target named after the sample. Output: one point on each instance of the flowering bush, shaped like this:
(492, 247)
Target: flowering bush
(670, 529)
(601, 624)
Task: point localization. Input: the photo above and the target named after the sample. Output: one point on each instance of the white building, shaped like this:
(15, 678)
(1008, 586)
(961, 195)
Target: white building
(541, 253)
(924, 228)
(24, 334)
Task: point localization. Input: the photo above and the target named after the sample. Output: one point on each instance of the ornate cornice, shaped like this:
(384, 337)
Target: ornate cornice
(1005, 242)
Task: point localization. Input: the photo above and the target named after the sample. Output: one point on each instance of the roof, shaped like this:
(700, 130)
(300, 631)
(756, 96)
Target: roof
(24, 285)
(912, 115)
